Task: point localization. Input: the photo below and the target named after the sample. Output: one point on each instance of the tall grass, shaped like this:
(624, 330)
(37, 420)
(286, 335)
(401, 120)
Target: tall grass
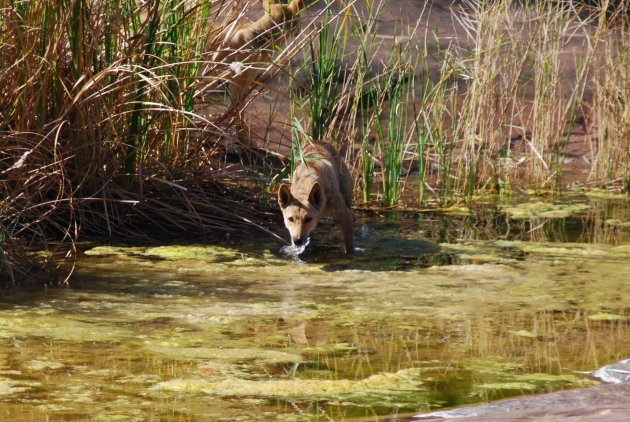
(610, 105)
(100, 128)
(497, 109)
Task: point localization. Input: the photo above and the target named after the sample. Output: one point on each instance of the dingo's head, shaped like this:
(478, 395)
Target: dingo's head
(300, 218)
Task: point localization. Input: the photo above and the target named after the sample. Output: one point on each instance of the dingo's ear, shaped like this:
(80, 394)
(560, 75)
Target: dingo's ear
(315, 197)
(284, 196)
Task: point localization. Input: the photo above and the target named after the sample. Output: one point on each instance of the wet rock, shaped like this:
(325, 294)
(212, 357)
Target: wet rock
(605, 403)
(616, 373)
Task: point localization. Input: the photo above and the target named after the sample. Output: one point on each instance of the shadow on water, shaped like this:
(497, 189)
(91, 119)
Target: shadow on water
(379, 247)
(437, 309)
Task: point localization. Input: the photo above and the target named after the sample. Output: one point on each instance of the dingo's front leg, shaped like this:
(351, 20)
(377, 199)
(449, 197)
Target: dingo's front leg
(345, 220)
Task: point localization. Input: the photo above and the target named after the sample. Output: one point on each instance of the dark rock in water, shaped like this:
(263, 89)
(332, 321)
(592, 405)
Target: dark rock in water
(604, 403)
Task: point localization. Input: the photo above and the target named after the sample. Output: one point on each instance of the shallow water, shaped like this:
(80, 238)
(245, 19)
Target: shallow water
(436, 310)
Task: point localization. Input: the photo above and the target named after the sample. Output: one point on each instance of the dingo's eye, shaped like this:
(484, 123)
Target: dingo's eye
(308, 220)
(292, 220)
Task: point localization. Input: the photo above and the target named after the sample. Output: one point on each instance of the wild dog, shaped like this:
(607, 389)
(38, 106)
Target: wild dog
(320, 187)
(249, 48)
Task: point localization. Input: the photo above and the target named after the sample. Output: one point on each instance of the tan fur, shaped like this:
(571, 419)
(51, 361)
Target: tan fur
(320, 187)
(249, 48)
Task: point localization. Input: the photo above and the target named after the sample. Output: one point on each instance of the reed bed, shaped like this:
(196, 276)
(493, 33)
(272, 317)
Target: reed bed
(114, 117)
(113, 121)
(497, 108)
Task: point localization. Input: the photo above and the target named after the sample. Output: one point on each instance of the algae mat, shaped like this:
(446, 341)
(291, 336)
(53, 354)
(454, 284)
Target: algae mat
(433, 312)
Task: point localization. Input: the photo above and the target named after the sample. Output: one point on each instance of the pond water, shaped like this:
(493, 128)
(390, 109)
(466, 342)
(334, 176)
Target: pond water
(436, 310)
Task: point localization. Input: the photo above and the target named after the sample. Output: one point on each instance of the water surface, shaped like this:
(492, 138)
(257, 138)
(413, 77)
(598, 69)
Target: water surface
(436, 310)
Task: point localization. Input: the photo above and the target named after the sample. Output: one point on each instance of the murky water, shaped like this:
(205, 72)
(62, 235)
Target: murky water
(436, 310)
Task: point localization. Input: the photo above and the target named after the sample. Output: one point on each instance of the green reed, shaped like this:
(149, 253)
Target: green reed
(323, 73)
(102, 98)
(394, 145)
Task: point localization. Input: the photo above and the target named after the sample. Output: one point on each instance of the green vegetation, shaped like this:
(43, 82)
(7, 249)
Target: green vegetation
(112, 113)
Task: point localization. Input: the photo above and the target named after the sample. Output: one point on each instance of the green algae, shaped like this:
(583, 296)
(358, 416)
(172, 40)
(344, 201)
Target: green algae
(118, 251)
(403, 380)
(498, 376)
(10, 387)
(518, 386)
(603, 316)
(455, 210)
(41, 365)
(184, 253)
(535, 210)
(524, 333)
(617, 223)
(249, 355)
(605, 194)
(196, 252)
(58, 327)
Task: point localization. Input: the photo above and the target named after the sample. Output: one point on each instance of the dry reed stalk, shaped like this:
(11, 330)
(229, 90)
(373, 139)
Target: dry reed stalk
(611, 99)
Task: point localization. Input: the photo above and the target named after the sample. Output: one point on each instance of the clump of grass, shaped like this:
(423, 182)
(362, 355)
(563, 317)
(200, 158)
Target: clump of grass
(395, 144)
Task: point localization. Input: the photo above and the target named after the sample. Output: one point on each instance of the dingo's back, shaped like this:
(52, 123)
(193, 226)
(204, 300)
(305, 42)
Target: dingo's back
(321, 187)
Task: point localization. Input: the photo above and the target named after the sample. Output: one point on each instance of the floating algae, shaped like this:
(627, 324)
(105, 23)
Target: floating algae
(603, 316)
(57, 327)
(10, 387)
(617, 223)
(250, 355)
(403, 380)
(42, 365)
(535, 210)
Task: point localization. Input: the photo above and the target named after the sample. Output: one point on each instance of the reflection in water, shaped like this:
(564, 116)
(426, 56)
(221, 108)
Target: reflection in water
(436, 310)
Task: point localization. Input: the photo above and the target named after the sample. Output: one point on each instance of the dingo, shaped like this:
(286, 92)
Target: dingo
(250, 47)
(320, 187)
